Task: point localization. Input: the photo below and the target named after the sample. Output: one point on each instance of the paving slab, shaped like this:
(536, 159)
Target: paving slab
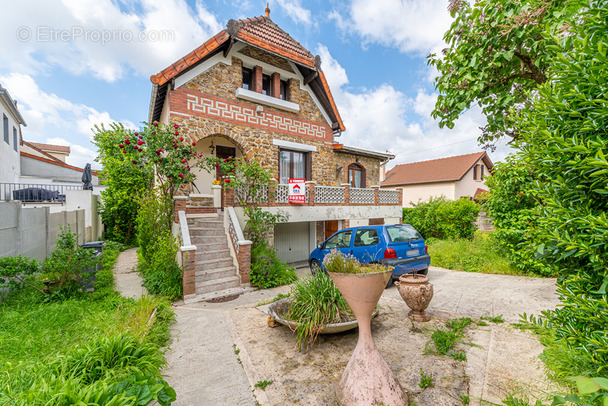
(126, 279)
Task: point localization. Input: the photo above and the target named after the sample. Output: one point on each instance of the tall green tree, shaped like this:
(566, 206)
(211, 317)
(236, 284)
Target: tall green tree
(565, 140)
(126, 184)
(496, 54)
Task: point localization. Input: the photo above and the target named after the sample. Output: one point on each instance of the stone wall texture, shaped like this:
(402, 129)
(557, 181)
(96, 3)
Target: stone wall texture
(222, 81)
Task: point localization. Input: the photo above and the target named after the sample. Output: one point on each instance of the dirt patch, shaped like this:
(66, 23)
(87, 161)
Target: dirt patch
(311, 378)
(223, 299)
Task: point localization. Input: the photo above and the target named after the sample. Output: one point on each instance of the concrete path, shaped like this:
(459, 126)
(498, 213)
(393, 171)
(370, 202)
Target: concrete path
(126, 279)
(221, 350)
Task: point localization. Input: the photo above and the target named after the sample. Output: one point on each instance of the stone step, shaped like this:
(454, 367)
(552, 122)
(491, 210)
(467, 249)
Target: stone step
(204, 247)
(213, 255)
(206, 223)
(215, 295)
(212, 274)
(218, 284)
(211, 239)
(206, 264)
(206, 231)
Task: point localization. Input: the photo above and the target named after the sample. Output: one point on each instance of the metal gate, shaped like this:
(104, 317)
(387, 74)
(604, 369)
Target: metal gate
(292, 241)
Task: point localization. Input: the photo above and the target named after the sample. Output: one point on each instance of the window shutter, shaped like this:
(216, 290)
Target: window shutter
(475, 172)
(308, 168)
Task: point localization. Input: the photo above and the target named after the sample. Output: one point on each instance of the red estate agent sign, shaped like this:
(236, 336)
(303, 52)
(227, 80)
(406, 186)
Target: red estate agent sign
(297, 191)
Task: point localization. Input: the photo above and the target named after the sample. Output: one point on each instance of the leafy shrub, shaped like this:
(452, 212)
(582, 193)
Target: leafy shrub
(442, 218)
(337, 262)
(267, 270)
(162, 274)
(153, 222)
(315, 303)
(14, 271)
(259, 223)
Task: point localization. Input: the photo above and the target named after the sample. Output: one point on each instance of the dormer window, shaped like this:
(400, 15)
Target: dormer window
(283, 94)
(266, 85)
(247, 78)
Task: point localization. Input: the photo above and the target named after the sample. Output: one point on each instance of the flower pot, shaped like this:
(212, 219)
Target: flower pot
(367, 379)
(417, 293)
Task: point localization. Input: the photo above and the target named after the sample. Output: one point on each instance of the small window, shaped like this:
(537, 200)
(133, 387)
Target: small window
(366, 237)
(478, 172)
(340, 240)
(293, 164)
(15, 146)
(284, 90)
(266, 85)
(482, 177)
(356, 176)
(5, 122)
(475, 172)
(247, 78)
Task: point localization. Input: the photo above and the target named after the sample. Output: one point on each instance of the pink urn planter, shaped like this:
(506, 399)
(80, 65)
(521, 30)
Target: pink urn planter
(367, 379)
(417, 293)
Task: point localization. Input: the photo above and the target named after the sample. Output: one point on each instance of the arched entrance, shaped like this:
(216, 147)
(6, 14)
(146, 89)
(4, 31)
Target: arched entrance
(214, 145)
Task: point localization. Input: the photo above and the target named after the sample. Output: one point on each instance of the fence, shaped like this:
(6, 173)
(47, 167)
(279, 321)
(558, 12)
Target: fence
(32, 232)
(35, 192)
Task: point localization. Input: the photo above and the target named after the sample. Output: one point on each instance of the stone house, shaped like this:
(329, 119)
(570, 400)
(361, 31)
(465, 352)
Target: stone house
(453, 177)
(253, 91)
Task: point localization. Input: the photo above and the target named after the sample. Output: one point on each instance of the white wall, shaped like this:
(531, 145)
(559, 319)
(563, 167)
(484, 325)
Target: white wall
(424, 191)
(204, 179)
(9, 158)
(467, 185)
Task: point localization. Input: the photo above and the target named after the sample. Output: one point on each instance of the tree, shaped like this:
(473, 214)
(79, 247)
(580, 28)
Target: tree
(497, 54)
(126, 184)
(565, 140)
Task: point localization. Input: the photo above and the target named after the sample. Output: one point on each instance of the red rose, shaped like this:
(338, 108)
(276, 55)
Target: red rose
(185, 160)
(160, 160)
(175, 126)
(136, 134)
(140, 142)
(135, 147)
(181, 139)
(134, 162)
(181, 175)
(176, 133)
(124, 151)
(217, 165)
(127, 141)
(153, 132)
(121, 146)
(155, 124)
(227, 180)
(194, 144)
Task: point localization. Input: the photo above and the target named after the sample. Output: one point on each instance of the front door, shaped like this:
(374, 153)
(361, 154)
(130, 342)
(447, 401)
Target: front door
(331, 227)
(223, 153)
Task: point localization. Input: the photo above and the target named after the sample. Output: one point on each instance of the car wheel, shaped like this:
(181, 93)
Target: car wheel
(315, 267)
(424, 272)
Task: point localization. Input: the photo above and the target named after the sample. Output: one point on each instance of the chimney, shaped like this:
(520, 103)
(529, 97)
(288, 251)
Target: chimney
(267, 11)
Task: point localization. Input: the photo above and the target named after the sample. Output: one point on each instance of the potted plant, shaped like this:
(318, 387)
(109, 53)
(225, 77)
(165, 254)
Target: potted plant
(417, 292)
(367, 379)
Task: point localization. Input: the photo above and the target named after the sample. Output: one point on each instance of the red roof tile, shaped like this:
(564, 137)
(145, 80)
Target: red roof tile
(50, 147)
(436, 170)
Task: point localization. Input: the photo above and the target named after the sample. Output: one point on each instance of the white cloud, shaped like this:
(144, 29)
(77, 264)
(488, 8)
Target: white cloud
(408, 25)
(41, 109)
(385, 119)
(98, 37)
(295, 11)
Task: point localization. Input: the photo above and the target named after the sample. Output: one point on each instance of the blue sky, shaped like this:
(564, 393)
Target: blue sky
(72, 64)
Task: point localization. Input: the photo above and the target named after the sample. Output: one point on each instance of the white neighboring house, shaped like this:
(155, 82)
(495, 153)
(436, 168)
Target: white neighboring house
(10, 167)
(453, 177)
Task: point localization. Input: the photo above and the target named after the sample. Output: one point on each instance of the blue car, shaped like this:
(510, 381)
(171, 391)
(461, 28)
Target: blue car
(399, 246)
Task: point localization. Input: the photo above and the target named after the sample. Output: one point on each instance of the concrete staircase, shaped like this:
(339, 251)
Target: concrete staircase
(216, 274)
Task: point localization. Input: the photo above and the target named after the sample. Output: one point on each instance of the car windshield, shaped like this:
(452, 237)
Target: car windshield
(402, 233)
(341, 240)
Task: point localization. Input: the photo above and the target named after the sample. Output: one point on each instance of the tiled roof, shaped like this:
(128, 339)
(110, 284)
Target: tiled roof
(50, 161)
(50, 147)
(257, 31)
(436, 170)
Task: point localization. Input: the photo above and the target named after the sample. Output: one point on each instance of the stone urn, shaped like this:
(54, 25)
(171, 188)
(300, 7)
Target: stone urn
(417, 292)
(367, 379)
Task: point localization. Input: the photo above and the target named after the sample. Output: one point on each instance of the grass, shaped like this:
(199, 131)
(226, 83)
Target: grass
(262, 384)
(443, 341)
(481, 254)
(425, 380)
(81, 348)
(315, 303)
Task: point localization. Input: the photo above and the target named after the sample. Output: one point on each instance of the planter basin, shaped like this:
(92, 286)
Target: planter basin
(278, 308)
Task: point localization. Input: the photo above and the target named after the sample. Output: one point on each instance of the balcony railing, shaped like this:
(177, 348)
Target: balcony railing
(344, 195)
(39, 192)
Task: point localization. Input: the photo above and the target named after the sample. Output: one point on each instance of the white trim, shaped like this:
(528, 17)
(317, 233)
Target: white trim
(268, 100)
(191, 74)
(296, 146)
